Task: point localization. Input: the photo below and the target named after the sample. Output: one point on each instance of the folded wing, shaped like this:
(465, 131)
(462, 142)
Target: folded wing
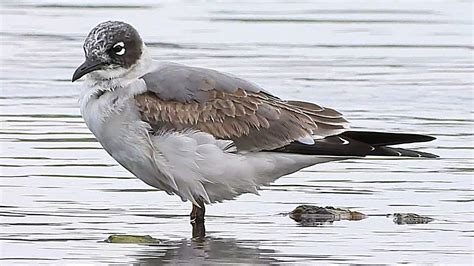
(179, 97)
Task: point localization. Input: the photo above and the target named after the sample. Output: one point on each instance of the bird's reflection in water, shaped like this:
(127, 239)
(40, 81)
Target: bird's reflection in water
(211, 250)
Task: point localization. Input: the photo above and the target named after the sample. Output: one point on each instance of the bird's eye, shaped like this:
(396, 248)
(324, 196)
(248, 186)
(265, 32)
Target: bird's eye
(118, 48)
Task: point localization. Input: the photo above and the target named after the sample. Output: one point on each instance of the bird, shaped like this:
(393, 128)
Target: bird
(204, 135)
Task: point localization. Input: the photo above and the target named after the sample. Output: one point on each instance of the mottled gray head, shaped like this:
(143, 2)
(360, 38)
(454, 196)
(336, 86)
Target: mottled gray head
(111, 45)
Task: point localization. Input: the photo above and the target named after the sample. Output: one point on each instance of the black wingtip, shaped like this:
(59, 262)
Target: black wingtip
(429, 138)
(385, 139)
(421, 138)
(361, 143)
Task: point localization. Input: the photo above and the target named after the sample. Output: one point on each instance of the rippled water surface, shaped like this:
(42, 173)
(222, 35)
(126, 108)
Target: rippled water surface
(404, 66)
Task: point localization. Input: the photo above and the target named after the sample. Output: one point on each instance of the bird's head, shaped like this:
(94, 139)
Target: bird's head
(111, 49)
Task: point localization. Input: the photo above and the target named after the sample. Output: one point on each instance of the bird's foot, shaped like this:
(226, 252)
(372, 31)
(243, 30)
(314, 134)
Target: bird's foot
(197, 222)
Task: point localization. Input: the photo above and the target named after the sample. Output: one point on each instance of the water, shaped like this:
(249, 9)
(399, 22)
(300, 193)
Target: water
(404, 67)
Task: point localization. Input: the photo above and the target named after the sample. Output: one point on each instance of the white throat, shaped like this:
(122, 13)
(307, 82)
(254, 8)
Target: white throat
(111, 79)
(120, 82)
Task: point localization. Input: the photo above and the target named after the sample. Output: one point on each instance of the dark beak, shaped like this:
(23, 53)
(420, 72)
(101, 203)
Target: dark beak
(86, 67)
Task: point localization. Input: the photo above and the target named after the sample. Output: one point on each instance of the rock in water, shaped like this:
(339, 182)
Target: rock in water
(131, 239)
(310, 215)
(410, 218)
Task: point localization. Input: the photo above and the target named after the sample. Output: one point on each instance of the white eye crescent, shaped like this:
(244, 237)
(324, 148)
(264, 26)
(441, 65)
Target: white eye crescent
(119, 48)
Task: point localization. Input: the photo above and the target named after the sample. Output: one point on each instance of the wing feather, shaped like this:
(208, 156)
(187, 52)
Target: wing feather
(180, 98)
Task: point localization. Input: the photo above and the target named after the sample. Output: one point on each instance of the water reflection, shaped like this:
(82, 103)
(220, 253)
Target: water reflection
(217, 250)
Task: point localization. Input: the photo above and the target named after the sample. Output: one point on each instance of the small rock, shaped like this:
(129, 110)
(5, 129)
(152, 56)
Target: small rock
(410, 218)
(310, 215)
(132, 239)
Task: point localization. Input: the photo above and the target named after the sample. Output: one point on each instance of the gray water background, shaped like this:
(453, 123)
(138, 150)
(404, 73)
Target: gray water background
(404, 66)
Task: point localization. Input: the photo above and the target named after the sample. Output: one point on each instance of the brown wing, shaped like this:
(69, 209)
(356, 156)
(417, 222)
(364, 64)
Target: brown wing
(253, 120)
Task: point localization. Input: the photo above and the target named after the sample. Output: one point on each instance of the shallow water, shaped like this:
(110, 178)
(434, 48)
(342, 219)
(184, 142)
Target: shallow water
(406, 68)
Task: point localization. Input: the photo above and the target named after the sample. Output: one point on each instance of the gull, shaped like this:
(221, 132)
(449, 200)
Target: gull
(204, 135)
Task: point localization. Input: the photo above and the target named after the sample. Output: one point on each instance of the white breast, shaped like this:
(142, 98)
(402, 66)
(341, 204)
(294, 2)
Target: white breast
(115, 122)
(100, 105)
